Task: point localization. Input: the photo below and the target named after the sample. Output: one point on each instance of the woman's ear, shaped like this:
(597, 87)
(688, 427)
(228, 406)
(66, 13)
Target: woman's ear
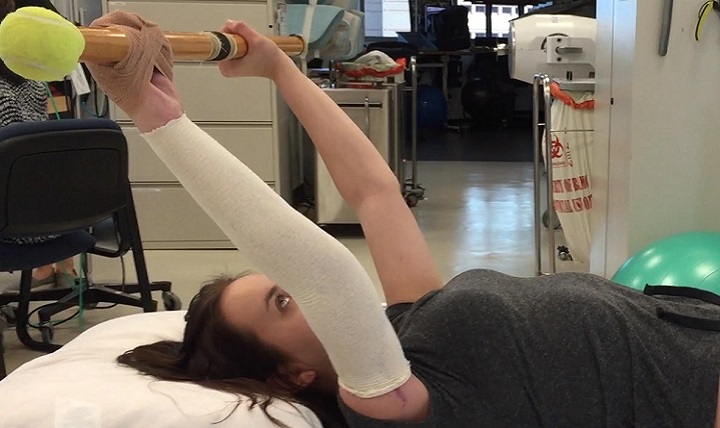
(304, 378)
(293, 379)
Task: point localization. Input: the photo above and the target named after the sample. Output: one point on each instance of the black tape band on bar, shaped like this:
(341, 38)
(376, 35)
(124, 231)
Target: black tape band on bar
(225, 46)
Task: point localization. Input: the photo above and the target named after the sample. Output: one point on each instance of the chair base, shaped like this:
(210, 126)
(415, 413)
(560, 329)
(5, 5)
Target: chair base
(66, 298)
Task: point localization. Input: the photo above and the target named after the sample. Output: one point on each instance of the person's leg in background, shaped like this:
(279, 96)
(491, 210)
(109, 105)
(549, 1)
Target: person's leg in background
(62, 274)
(65, 273)
(43, 275)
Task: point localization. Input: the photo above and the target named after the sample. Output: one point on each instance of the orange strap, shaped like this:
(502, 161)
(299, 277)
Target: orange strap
(566, 99)
(357, 73)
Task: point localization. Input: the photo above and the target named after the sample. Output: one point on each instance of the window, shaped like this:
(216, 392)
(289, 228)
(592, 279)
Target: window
(384, 18)
(501, 21)
(501, 16)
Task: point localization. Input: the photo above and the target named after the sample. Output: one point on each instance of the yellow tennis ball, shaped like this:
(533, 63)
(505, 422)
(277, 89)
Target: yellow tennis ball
(39, 44)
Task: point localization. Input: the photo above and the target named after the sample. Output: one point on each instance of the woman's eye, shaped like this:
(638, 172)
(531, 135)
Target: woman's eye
(283, 301)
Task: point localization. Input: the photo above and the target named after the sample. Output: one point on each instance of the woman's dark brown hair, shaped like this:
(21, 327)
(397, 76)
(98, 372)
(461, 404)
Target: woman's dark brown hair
(215, 356)
(6, 7)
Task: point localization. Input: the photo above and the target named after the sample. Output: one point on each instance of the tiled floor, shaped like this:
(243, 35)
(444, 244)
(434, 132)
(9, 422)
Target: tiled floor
(476, 214)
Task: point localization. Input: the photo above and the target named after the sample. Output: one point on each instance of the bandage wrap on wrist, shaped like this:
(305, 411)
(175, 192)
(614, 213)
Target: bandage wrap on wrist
(332, 289)
(148, 50)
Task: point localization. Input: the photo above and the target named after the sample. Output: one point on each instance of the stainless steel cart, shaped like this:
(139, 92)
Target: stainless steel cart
(377, 110)
(541, 93)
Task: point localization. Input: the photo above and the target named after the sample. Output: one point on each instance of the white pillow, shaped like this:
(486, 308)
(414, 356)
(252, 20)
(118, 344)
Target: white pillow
(81, 386)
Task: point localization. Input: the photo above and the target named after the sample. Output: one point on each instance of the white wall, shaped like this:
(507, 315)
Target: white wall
(657, 148)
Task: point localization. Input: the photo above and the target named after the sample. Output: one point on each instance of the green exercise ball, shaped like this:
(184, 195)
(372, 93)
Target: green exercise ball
(687, 259)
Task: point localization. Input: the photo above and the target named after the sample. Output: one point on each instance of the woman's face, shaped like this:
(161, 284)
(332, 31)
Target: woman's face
(254, 303)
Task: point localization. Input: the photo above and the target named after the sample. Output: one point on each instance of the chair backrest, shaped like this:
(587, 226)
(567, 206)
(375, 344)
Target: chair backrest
(60, 175)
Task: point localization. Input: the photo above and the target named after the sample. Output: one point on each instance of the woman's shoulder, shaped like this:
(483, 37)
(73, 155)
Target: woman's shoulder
(457, 288)
(484, 275)
(469, 293)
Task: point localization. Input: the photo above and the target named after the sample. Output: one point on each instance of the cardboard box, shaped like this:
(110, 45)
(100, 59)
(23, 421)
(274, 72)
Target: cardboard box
(61, 102)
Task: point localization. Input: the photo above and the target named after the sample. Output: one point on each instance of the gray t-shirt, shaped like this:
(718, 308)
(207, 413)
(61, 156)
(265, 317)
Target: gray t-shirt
(562, 351)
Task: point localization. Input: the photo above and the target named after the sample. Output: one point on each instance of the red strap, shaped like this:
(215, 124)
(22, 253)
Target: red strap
(399, 68)
(566, 99)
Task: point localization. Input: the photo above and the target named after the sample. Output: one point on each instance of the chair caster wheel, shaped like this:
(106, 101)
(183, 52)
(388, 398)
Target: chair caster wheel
(555, 220)
(564, 253)
(171, 301)
(47, 332)
(10, 315)
(411, 199)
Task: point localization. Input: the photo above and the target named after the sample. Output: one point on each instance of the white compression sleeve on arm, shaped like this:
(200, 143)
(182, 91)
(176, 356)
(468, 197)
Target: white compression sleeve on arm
(332, 289)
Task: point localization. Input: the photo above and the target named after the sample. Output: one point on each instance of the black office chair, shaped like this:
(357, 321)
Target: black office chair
(68, 178)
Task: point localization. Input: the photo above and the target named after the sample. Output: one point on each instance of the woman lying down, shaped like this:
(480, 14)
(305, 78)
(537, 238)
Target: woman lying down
(484, 350)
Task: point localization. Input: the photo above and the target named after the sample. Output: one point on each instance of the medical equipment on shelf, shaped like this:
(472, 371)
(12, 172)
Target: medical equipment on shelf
(561, 46)
(547, 50)
(333, 29)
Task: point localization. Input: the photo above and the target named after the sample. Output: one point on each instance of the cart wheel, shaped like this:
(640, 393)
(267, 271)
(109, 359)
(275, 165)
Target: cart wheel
(10, 315)
(556, 221)
(564, 253)
(47, 332)
(411, 199)
(171, 301)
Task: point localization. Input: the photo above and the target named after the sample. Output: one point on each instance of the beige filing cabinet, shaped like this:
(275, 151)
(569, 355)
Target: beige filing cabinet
(246, 116)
